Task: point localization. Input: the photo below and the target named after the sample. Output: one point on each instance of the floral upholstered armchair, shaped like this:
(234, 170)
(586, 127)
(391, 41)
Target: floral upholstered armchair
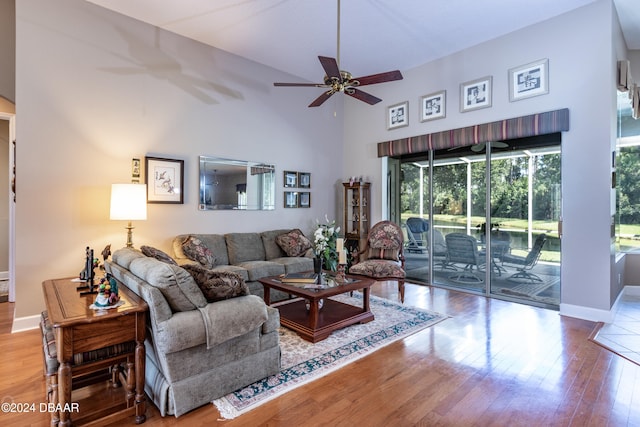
(382, 258)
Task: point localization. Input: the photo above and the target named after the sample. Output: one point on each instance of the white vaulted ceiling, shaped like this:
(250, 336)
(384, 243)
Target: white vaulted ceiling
(376, 35)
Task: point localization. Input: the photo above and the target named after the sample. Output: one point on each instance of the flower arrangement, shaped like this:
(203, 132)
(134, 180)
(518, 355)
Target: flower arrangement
(325, 237)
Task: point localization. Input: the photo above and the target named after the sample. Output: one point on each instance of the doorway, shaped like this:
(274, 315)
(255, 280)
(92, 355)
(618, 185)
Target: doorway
(7, 201)
(500, 240)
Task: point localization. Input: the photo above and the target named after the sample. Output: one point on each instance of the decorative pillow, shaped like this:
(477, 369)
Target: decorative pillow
(195, 250)
(217, 285)
(294, 243)
(157, 254)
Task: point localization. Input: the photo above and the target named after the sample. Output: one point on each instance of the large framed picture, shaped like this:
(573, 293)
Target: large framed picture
(475, 94)
(529, 80)
(165, 180)
(433, 106)
(398, 115)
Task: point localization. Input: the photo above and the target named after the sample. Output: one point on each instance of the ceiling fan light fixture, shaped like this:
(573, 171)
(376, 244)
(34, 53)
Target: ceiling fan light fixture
(337, 80)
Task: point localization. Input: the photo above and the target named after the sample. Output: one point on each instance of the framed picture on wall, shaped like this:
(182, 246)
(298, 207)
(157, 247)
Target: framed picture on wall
(305, 199)
(433, 106)
(529, 80)
(290, 179)
(398, 115)
(304, 180)
(290, 199)
(475, 94)
(165, 180)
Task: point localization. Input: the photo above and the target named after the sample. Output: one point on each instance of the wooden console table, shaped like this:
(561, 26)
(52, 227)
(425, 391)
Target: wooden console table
(80, 329)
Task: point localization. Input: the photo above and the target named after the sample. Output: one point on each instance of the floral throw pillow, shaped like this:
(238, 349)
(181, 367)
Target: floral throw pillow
(195, 250)
(217, 285)
(157, 254)
(294, 243)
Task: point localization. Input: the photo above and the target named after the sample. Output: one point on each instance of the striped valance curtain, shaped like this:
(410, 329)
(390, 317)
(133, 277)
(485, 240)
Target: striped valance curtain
(520, 127)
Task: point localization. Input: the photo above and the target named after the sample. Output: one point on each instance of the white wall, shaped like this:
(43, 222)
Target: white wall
(581, 68)
(95, 89)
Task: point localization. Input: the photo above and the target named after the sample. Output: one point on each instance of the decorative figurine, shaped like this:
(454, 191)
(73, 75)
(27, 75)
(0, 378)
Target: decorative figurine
(105, 255)
(107, 292)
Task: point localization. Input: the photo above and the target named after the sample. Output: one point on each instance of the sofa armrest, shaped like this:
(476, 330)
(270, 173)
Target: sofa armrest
(233, 317)
(273, 322)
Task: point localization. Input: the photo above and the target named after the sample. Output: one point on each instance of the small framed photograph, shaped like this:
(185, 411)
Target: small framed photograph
(529, 80)
(304, 180)
(136, 167)
(304, 200)
(290, 199)
(398, 115)
(290, 179)
(433, 106)
(475, 94)
(165, 180)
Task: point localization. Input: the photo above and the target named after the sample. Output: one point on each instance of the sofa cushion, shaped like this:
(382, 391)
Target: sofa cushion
(294, 243)
(157, 254)
(259, 269)
(243, 247)
(215, 242)
(217, 285)
(295, 264)
(378, 268)
(175, 283)
(196, 250)
(271, 247)
(242, 272)
(124, 256)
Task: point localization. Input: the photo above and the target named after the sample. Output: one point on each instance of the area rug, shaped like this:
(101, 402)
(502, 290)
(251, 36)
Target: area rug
(303, 361)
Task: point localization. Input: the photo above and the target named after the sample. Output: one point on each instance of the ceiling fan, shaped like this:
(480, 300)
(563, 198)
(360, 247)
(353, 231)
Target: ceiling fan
(337, 80)
(478, 148)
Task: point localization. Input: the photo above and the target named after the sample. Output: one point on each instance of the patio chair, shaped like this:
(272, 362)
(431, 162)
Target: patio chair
(415, 229)
(440, 254)
(382, 258)
(463, 249)
(524, 264)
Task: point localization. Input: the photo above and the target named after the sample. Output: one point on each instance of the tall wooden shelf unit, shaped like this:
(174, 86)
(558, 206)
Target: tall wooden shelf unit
(357, 211)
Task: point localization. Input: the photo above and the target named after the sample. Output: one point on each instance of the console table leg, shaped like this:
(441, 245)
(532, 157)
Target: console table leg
(140, 368)
(64, 393)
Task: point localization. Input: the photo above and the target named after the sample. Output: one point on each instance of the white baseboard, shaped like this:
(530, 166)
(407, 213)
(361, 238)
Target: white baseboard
(597, 315)
(586, 313)
(631, 290)
(21, 324)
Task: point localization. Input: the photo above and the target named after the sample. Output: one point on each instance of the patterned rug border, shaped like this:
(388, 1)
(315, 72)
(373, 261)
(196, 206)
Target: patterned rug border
(288, 379)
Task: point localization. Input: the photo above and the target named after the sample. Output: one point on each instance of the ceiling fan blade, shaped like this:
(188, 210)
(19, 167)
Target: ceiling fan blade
(389, 76)
(320, 100)
(499, 144)
(330, 66)
(301, 84)
(478, 147)
(362, 96)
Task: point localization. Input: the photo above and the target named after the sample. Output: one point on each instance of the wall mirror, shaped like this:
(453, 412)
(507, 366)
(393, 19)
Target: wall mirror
(227, 184)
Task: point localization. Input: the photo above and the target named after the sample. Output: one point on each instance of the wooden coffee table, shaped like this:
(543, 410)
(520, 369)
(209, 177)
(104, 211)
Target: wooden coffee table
(317, 323)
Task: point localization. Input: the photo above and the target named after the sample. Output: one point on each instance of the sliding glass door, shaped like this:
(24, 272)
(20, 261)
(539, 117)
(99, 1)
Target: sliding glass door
(499, 239)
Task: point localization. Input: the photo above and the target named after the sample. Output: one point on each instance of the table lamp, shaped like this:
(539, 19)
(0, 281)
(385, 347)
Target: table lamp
(128, 203)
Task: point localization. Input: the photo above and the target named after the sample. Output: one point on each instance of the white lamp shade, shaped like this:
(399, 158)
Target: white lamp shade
(128, 202)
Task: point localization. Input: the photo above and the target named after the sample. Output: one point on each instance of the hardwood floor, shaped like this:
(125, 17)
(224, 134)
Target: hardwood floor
(493, 363)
